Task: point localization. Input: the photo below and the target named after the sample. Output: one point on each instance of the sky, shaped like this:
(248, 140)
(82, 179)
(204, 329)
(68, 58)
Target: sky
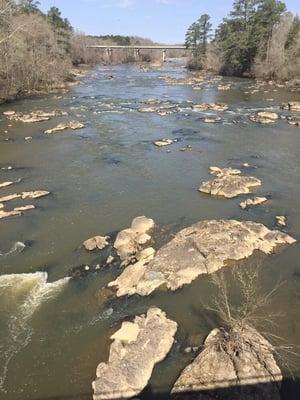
(164, 21)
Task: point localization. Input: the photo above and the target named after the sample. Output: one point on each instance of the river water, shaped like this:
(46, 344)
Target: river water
(55, 330)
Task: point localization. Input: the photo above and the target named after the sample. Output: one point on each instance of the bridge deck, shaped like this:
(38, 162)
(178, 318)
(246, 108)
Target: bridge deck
(138, 47)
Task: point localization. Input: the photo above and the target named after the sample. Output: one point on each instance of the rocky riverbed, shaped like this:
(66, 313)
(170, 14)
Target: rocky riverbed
(120, 200)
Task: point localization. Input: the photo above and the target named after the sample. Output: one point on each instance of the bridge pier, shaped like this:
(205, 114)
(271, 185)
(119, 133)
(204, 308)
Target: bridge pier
(137, 54)
(109, 53)
(164, 55)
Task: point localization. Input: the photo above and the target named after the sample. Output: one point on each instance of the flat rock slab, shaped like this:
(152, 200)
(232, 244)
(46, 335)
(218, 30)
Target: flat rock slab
(228, 183)
(136, 348)
(203, 248)
(239, 362)
(34, 116)
(253, 202)
(264, 117)
(61, 127)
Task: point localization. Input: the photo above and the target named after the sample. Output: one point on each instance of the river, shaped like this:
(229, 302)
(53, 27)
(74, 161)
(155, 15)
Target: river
(55, 330)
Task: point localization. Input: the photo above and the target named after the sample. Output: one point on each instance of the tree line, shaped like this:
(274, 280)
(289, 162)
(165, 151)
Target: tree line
(259, 38)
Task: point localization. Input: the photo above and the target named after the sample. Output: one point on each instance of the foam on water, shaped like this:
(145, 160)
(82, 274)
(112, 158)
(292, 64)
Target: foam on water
(17, 248)
(34, 290)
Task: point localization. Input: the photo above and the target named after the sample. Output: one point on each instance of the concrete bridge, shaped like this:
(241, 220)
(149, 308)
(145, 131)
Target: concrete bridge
(137, 49)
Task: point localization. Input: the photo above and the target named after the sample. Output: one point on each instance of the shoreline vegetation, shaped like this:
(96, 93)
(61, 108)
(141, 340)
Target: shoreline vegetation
(41, 52)
(258, 39)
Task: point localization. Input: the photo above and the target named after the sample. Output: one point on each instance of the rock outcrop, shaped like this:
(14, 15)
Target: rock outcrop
(135, 350)
(164, 142)
(281, 220)
(69, 125)
(97, 242)
(130, 241)
(292, 106)
(203, 248)
(293, 121)
(264, 117)
(25, 195)
(34, 116)
(228, 183)
(210, 107)
(253, 202)
(240, 362)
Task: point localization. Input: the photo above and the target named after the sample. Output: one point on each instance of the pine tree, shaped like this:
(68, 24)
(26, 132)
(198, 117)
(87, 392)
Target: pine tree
(197, 37)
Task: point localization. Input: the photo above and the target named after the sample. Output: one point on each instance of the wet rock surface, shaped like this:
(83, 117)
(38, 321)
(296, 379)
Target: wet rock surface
(97, 242)
(210, 107)
(69, 125)
(238, 362)
(34, 116)
(253, 202)
(228, 183)
(137, 346)
(264, 117)
(281, 220)
(292, 106)
(203, 248)
(164, 142)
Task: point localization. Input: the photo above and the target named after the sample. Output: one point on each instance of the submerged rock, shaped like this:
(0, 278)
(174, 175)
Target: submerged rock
(224, 87)
(293, 121)
(203, 248)
(135, 350)
(69, 125)
(97, 242)
(264, 117)
(129, 241)
(15, 212)
(228, 183)
(253, 202)
(211, 120)
(241, 362)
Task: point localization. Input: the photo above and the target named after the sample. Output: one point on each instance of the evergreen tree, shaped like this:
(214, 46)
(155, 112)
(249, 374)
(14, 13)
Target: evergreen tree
(29, 6)
(62, 28)
(294, 33)
(197, 38)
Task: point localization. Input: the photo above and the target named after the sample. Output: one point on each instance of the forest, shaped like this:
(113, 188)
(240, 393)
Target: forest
(259, 38)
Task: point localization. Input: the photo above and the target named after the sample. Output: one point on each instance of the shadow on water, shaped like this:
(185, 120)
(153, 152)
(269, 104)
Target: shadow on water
(290, 390)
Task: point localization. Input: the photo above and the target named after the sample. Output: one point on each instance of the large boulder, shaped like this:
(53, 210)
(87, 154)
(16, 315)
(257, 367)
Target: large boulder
(232, 365)
(264, 117)
(228, 183)
(203, 248)
(135, 350)
(130, 241)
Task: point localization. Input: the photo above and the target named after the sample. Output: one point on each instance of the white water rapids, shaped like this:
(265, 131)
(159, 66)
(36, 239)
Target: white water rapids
(27, 292)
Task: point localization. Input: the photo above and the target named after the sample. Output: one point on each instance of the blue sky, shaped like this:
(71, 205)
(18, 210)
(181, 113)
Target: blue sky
(164, 21)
